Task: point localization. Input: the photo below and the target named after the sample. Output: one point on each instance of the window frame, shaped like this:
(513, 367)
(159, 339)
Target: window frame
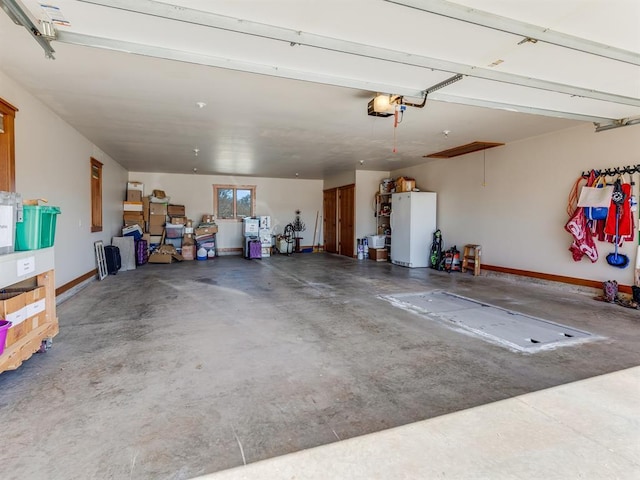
(235, 188)
(96, 195)
(7, 147)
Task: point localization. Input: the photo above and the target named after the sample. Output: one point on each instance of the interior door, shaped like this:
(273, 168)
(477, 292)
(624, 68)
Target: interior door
(330, 219)
(346, 220)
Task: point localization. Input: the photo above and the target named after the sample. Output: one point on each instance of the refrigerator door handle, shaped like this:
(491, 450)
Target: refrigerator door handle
(391, 221)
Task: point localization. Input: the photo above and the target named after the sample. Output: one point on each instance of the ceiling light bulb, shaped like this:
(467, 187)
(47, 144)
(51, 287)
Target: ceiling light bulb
(446, 132)
(195, 151)
(201, 104)
(381, 103)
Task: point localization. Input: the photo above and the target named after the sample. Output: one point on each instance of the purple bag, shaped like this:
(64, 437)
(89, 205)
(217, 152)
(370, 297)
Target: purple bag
(255, 249)
(142, 252)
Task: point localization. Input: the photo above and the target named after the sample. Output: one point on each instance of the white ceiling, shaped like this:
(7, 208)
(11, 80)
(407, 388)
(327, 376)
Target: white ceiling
(304, 111)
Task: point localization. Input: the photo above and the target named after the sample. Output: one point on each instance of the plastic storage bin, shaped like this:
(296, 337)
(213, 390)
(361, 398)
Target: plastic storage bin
(173, 231)
(38, 228)
(376, 241)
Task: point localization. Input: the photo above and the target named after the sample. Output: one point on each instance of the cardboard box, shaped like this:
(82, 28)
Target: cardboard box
(165, 254)
(157, 208)
(157, 219)
(160, 258)
(188, 240)
(208, 218)
(159, 194)
(132, 207)
(139, 186)
(404, 184)
(188, 252)
(178, 220)
(378, 254)
(34, 315)
(133, 217)
(209, 230)
(13, 307)
(134, 196)
(176, 210)
(145, 208)
(156, 229)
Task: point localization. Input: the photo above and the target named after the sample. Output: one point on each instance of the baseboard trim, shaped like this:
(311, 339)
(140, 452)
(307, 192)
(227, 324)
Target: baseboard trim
(68, 286)
(229, 251)
(553, 278)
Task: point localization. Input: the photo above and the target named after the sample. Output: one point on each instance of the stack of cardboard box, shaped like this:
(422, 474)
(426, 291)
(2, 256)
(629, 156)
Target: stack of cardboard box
(159, 221)
(205, 235)
(157, 218)
(133, 206)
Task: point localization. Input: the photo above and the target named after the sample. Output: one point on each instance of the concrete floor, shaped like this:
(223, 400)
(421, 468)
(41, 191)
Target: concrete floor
(589, 430)
(175, 371)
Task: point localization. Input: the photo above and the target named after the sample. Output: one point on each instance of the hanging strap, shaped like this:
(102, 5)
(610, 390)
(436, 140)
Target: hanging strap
(572, 201)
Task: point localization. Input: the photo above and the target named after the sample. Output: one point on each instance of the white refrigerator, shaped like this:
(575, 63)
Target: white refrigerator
(413, 221)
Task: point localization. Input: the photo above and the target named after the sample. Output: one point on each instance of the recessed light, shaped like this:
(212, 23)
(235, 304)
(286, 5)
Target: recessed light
(196, 151)
(201, 104)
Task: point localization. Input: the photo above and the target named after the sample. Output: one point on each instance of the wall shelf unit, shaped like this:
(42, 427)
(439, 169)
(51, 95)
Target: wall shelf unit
(383, 217)
(34, 268)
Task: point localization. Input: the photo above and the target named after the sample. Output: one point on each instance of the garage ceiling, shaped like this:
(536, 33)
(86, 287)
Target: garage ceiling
(286, 82)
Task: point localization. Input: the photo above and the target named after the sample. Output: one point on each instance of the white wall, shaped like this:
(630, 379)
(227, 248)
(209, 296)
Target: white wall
(52, 162)
(277, 197)
(518, 216)
(367, 185)
(339, 180)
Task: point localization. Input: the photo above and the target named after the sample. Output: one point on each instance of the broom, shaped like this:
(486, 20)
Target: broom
(315, 229)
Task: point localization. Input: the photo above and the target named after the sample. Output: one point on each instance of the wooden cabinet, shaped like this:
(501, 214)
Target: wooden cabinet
(383, 217)
(27, 270)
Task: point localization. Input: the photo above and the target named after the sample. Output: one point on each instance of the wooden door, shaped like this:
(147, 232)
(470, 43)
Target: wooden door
(330, 218)
(346, 220)
(7, 147)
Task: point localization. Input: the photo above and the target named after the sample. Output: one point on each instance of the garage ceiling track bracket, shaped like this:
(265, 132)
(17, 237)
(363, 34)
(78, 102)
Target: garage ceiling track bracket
(516, 27)
(198, 17)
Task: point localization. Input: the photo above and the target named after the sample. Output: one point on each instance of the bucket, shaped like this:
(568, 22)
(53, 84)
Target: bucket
(5, 325)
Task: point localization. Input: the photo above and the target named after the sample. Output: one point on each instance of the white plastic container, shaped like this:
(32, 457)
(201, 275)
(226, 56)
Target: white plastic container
(8, 217)
(376, 241)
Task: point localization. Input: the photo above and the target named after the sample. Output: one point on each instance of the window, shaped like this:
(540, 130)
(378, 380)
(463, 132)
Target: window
(234, 201)
(96, 195)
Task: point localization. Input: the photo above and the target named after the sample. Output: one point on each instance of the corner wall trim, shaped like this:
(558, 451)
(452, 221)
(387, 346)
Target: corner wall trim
(554, 278)
(68, 286)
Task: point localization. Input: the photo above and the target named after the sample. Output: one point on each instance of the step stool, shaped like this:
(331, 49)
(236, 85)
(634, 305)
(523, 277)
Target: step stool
(471, 257)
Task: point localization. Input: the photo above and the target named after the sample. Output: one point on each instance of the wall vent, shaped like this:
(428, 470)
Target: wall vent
(463, 149)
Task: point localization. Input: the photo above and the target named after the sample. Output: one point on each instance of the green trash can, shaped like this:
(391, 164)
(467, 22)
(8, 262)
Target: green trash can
(38, 228)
